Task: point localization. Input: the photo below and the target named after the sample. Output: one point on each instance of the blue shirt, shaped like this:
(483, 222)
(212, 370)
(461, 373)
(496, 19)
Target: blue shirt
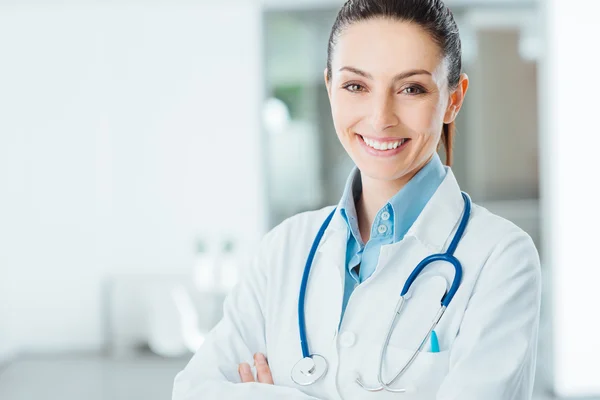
(391, 222)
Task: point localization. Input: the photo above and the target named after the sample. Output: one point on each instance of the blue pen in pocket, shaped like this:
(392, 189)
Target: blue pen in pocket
(435, 344)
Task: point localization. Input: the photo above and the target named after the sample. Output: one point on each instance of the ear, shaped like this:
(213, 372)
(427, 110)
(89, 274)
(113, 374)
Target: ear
(456, 99)
(327, 83)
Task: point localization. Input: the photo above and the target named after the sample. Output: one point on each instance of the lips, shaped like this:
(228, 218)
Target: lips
(384, 145)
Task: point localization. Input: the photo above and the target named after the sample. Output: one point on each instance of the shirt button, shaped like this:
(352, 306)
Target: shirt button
(382, 229)
(385, 215)
(347, 339)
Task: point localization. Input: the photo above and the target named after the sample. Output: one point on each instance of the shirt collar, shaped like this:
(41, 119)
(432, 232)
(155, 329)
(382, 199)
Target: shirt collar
(406, 205)
(347, 204)
(410, 201)
(433, 227)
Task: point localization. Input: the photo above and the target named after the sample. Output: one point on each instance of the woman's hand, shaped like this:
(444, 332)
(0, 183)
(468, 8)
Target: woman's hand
(263, 372)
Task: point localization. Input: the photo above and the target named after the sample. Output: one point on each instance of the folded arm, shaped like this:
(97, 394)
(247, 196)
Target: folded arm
(214, 371)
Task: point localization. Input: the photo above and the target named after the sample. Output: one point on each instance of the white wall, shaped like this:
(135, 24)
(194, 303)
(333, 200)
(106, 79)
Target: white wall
(126, 131)
(570, 137)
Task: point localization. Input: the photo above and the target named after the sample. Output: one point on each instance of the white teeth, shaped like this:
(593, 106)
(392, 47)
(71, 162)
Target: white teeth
(383, 145)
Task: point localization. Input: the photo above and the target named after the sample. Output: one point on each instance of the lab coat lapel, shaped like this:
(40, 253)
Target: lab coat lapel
(324, 294)
(332, 249)
(438, 221)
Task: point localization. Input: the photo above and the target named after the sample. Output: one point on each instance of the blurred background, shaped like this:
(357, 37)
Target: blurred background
(145, 148)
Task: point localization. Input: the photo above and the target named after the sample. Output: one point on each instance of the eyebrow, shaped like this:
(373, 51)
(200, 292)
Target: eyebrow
(398, 77)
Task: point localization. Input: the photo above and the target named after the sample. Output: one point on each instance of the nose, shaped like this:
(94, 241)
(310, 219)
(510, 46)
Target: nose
(383, 114)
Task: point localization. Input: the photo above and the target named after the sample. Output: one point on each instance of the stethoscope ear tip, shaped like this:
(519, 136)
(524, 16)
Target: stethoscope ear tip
(406, 389)
(365, 387)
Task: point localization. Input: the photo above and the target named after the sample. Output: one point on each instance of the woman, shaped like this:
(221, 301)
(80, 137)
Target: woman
(395, 85)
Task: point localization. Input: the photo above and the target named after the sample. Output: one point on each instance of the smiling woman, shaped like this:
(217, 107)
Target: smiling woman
(383, 75)
(402, 225)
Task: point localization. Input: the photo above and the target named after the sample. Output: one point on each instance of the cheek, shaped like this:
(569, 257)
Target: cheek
(344, 114)
(423, 119)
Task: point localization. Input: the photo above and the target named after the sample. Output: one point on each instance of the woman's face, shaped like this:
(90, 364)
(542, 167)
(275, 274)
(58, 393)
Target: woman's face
(389, 97)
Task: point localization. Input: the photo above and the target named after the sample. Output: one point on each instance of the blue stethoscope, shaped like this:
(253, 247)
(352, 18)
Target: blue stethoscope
(313, 367)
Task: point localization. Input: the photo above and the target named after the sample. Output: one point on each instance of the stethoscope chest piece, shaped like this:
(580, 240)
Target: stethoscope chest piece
(309, 370)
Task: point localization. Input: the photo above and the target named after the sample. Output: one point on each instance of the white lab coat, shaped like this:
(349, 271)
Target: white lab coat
(487, 336)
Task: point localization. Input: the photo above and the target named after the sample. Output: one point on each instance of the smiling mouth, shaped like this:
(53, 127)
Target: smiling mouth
(384, 145)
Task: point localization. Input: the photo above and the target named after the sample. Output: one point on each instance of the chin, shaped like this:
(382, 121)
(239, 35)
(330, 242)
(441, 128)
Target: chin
(383, 173)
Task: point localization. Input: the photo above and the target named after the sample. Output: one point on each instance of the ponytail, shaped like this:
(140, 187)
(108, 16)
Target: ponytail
(448, 140)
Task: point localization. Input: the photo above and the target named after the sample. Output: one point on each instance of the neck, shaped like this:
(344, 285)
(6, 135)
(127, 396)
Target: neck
(375, 194)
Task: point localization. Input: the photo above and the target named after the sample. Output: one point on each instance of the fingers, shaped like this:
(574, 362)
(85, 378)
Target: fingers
(245, 373)
(263, 372)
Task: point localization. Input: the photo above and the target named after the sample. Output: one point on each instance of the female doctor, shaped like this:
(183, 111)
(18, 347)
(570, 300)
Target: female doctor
(343, 302)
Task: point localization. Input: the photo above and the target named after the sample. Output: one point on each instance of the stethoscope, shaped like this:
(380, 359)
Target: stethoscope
(313, 367)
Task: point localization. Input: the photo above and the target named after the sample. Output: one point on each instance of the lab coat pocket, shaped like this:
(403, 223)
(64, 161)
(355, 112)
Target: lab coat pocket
(423, 377)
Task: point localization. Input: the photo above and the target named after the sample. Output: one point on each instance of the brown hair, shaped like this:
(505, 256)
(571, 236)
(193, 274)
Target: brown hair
(448, 141)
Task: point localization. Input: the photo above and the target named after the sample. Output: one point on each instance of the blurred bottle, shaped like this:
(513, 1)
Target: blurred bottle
(166, 336)
(228, 266)
(205, 268)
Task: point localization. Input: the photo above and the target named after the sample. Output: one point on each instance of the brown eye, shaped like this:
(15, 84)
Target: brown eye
(414, 90)
(353, 87)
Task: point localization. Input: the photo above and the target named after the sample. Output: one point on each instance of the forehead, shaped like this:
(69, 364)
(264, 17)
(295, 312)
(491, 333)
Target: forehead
(386, 46)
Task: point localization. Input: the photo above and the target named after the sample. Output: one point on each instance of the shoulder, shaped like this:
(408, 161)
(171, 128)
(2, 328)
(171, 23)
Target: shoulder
(507, 250)
(300, 224)
(493, 229)
(298, 230)
(283, 250)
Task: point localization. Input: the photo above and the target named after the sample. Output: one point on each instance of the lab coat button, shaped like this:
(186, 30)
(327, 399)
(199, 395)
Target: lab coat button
(347, 339)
